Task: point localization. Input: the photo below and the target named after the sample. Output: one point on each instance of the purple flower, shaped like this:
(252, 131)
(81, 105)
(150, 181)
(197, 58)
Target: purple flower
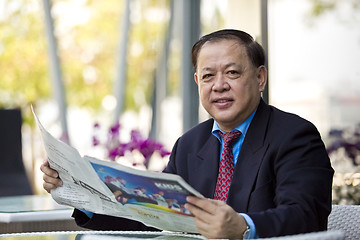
(122, 148)
(115, 129)
(349, 140)
(164, 152)
(95, 141)
(115, 148)
(112, 153)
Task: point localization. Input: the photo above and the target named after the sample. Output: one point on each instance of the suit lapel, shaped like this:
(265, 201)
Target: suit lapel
(249, 160)
(204, 167)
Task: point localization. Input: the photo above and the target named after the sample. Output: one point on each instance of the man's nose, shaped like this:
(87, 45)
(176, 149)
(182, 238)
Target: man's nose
(220, 83)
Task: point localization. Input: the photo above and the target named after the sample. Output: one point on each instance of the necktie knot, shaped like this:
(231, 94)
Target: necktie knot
(229, 137)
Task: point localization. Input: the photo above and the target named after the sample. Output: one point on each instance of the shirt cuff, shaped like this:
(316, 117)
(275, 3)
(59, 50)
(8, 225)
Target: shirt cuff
(89, 214)
(250, 223)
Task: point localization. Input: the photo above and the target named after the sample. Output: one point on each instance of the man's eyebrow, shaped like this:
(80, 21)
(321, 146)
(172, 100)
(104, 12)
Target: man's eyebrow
(231, 65)
(206, 69)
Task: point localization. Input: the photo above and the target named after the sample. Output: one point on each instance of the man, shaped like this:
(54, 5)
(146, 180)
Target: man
(281, 174)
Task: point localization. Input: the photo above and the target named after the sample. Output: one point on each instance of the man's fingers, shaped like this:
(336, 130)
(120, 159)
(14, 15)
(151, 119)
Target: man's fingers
(215, 219)
(51, 183)
(208, 205)
(202, 219)
(208, 224)
(203, 209)
(48, 171)
(203, 228)
(48, 187)
(51, 180)
(193, 209)
(50, 177)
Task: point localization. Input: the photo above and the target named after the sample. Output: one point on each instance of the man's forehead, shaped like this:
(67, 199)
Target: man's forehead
(230, 53)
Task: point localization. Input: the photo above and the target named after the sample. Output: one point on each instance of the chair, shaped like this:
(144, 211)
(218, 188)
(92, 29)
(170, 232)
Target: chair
(324, 235)
(347, 219)
(13, 178)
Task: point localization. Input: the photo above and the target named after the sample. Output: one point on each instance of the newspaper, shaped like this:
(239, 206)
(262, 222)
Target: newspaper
(104, 187)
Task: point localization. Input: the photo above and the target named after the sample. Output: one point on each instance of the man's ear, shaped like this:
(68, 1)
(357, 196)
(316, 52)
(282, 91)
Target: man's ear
(196, 78)
(262, 77)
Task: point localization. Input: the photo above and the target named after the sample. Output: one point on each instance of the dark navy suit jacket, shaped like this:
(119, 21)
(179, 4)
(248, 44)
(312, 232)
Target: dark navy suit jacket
(282, 178)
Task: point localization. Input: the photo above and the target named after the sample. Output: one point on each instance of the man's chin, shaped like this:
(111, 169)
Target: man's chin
(225, 124)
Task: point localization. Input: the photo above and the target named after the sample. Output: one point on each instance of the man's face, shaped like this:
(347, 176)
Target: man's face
(229, 85)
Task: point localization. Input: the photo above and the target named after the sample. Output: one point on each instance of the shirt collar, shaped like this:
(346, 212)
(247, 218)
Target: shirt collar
(243, 127)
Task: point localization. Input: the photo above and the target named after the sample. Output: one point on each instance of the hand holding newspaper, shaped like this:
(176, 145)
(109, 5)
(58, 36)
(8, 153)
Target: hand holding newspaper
(104, 187)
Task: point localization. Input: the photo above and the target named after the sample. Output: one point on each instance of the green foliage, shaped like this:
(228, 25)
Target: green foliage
(89, 61)
(320, 6)
(146, 45)
(87, 34)
(23, 59)
(87, 49)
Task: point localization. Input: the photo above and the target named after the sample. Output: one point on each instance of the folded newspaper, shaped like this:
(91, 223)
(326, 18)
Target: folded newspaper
(104, 187)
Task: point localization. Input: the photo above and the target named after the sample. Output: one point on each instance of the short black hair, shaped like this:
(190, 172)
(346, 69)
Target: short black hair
(254, 50)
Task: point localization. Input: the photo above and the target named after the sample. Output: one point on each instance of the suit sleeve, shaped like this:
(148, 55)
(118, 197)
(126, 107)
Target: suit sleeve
(104, 222)
(171, 167)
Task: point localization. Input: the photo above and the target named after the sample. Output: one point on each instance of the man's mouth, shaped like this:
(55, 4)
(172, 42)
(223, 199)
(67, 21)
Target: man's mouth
(222, 100)
(223, 103)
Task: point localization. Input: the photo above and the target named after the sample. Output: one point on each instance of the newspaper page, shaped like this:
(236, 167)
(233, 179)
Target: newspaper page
(104, 187)
(81, 186)
(157, 199)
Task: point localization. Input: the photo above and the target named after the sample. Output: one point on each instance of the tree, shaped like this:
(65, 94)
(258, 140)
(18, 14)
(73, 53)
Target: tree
(87, 36)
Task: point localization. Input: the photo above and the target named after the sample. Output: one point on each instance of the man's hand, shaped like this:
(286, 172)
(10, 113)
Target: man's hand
(216, 219)
(50, 177)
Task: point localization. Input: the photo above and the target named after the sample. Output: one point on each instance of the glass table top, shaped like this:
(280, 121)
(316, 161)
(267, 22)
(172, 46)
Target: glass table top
(98, 235)
(29, 203)
(32, 208)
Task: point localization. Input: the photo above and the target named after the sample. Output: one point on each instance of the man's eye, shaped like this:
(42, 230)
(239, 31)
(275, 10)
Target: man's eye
(233, 74)
(206, 76)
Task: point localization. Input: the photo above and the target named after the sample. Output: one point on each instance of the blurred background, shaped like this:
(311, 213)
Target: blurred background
(81, 62)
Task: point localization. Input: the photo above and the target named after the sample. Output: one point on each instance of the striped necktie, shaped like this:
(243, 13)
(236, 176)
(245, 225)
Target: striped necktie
(226, 168)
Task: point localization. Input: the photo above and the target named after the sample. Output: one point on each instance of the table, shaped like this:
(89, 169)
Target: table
(99, 235)
(34, 213)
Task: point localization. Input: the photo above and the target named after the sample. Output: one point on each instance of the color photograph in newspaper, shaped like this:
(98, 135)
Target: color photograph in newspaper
(131, 186)
(155, 199)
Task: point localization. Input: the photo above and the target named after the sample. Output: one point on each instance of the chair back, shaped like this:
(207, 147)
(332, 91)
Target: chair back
(324, 235)
(13, 177)
(347, 219)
